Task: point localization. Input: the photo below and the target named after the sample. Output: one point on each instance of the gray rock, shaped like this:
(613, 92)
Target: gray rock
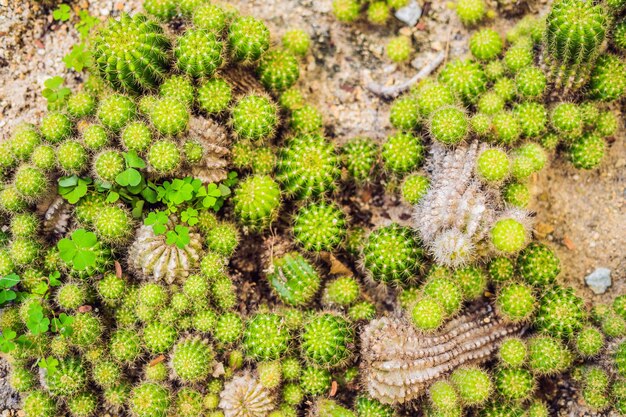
(410, 14)
(599, 280)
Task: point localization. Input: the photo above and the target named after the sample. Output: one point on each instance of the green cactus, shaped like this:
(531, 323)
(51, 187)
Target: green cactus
(490, 103)
(270, 374)
(179, 87)
(587, 151)
(465, 78)
(402, 153)
(67, 379)
(108, 164)
(516, 302)
(265, 337)
(346, 10)
(254, 117)
(516, 194)
(506, 127)
(164, 156)
(229, 328)
(149, 399)
(595, 390)
(448, 125)
(342, 291)
(308, 166)
(307, 120)
(56, 127)
(248, 39)
(561, 313)
(21, 379)
(532, 118)
(198, 53)
(189, 403)
(81, 104)
(44, 158)
(191, 359)
(117, 396)
(480, 125)
(116, 111)
(432, 95)
(362, 311)
(538, 265)
(326, 340)
(70, 296)
(131, 53)
(506, 88)
(446, 292)
(606, 124)
(493, 165)
(516, 384)
(23, 142)
(209, 17)
(471, 280)
(214, 95)
(494, 70)
(113, 224)
(378, 12)
(257, 201)
(414, 188)
(530, 82)
(291, 99)
(278, 70)
(223, 238)
(223, 291)
(319, 226)
(24, 251)
(471, 12)
(518, 57)
(95, 137)
(359, 156)
(473, 385)
(163, 10)
(575, 31)
(589, 341)
(294, 279)
(399, 48)
(125, 345)
(404, 114)
(212, 266)
(39, 404)
(427, 314)
(315, 381)
(486, 44)
(169, 116)
(513, 352)
(508, 235)
(547, 355)
(296, 41)
(392, 254)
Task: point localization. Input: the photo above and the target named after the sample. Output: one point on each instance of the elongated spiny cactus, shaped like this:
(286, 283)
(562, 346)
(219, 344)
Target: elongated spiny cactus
(398, 363)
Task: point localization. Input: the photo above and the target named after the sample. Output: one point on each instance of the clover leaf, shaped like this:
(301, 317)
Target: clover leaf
(62, 13)
(189, 216)
(6, 340)
(179, 236)
(78, 250)
(158, 220)
(128, 177)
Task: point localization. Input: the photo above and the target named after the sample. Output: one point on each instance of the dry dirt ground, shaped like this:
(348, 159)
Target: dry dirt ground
(583, 214)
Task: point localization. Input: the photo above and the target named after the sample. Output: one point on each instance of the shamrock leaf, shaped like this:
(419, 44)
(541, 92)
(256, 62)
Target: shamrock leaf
(6, 296)
(37, 323)
(78, 58)
(50, 364)
(78, 250)
(128, 177)
(62, 13)
(133, 160)
(158, 220)
(190, 216)
(6, 340)
(86, 23)
(62, 324)
(73, 188)
(179, 236)
(9, 281)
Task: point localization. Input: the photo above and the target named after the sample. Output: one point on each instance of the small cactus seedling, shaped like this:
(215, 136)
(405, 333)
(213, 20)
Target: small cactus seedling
(248, 39)
(198, 53)
(486, 44)
(315, 380)
(306, 120)
(402, 153)
(116, 111)
(169, 116)
(516, 384)
(265, 337)
(294, 279)
(414, 187)
(516, 194)
(254, 117)
(214, 95)
(589, 342)
(404, 114)
(471, 12)
(319, 226)
(513, 353)
(433, 95)
(359, 156)
(378, 12)
(547, 355)
(465, 78)
(516, 302)
(530, 82)
(95, 137)
(493, 165)
(508, 235)
(56, 127)
(297, 41)
(538, 265)
(278, 70)
(587, 151)
(399, 49)
(473, 385)
(532, 117)
(427, 314)
(566, 119)
(346, 10)
(448, 125)
(561, 313)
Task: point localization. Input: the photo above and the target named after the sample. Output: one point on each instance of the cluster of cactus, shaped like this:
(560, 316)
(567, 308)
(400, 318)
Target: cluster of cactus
(377, 12)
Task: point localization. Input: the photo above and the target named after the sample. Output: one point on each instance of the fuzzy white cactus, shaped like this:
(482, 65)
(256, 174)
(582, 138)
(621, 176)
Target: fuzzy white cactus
(244, 396)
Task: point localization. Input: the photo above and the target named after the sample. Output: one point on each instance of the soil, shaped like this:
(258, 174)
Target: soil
(582, 214)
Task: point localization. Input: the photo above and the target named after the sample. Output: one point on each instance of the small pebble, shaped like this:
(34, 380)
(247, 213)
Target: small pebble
(599, 280)
(410, 14)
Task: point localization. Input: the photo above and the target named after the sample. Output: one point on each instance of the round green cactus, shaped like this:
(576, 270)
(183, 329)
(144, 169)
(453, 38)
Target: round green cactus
(513, 352)
(308, 166)
(229, 328)
(212, 266)
(294, 279)
(95, 137)
(21, 379)
(24, 225)
(589, 342)
(595, 390)
(291, 99)
(149, 400)
(164, 156)
(518, 57)
(446, 292)
(248, 38)
(265, 337)
(431, 96)
(116, 111)
(471, 12)
(404, 114)
(87, 329)
(490, 103)
(198, 53)
(532, 118)
(516, 194)
(493, 165)
(473, 385)
(506, 88)
(606, 124)
(24, 251)
(587, 151)
(414, 188)
(530, 82)
(359, 156)
(179, 87)
(39, 404)
(392, 254)
(327, 340)
(223, 238)
(113, 224)
(169, 116)
(106, 373)
(514, 384)
(508, 235)
(189, 403)
(131, 53)
(70, 296)
(254, 117)
(346, 10)
(224, 294)
(159, 337)
(191, 359)
(278, 70)
(209, 17)
(516, 302)
(307, 120)
(561, 313)
(23, 142)
(480, 125)
(471, 280)
(362, 311)
(125, 345)
(257, 201)
(378, 12)
(342, 291)
(55, 127)
(443, 396)
(108, 164)
(494, 70)
(315, 380)
(67, 379)
(486, 44)
(319, 226)
(29, 182)
(117, 396)
(448, 125)
(427, 314)
(296, 41)
(538, 265)
(465, 78)
(81, 104)
(566, 119)
(506, 127)
(548, 355)
(214, 95)
(44, 158)
(72, 157)
(399, 48)
(402, 153)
